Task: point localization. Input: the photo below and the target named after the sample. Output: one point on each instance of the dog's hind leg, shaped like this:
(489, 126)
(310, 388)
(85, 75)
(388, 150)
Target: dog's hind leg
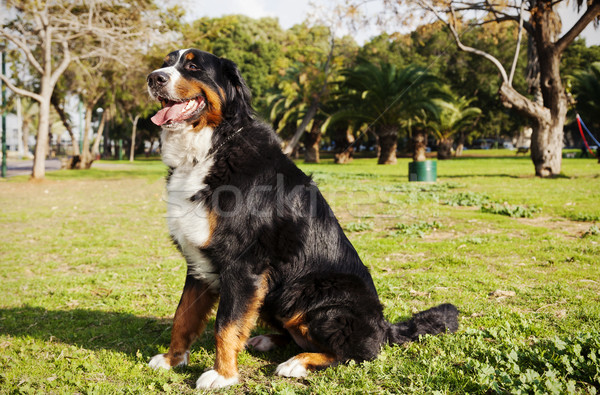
(189, 322)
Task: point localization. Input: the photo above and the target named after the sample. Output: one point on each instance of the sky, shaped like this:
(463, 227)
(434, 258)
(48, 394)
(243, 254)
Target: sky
(290, 13)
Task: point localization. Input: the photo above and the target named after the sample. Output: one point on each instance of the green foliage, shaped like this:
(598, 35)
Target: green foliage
(495, 362)
(586, 88)
(358, 226)
(584, 217)
(594, 230)
(417, 229)
(515, 211)
(452, 117)
(256, 45)
(488, 205)
(467, 199)
(382, 95)
(431, 46)
(578, 56)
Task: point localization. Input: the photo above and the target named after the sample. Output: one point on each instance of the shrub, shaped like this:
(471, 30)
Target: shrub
(467, 199)
(514, 211)
(417, 229)
(358, 226)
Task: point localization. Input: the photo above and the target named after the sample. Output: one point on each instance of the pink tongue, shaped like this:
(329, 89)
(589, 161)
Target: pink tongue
(169, 113)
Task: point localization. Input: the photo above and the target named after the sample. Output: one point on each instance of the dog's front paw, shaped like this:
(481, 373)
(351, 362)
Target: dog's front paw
(261, 343)
(293, 367)
(212, 379)
(162, 361)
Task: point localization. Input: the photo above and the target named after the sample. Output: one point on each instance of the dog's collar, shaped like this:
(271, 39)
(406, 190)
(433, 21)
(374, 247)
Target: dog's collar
(214, 150)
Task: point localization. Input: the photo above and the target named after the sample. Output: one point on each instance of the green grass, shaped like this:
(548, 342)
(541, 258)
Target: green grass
(89, 280)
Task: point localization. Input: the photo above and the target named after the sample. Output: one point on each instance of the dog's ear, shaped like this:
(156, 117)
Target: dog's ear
(239, 97)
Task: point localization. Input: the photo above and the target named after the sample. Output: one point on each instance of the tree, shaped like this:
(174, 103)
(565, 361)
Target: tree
(255, 45)
(578, 56)
(383, 95)
(430, 46)
(543, 26)
(453, 117)
(52, 35)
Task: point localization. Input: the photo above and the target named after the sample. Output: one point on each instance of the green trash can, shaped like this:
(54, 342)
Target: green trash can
(422, 171)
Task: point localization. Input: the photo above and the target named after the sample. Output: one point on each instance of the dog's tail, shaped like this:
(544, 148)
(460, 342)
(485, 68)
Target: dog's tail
(438, 319)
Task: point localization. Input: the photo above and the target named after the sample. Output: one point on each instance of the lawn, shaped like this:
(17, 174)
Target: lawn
(90, 280)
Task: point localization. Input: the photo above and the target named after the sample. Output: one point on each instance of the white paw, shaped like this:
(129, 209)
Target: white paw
(291, 368)
(212, 379)
(261, 343)
(160, 362)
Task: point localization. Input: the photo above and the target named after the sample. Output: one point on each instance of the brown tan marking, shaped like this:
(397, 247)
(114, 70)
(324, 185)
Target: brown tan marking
(232, 339)
(189, 56)
(315, 360)
(189, 321)
(213, 115)
(298, 329)
(212, 225)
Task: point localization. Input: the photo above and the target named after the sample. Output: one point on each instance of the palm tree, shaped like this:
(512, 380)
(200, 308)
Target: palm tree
(381, 96)
(287, 113)
(293, 105)
(453, 116)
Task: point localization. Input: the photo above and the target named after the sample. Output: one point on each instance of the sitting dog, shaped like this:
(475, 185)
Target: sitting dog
(256, 233)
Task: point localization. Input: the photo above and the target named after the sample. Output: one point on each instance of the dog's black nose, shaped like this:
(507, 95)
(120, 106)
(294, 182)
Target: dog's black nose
(157, 79)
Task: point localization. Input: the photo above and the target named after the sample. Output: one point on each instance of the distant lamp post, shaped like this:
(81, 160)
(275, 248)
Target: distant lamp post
(3, 117)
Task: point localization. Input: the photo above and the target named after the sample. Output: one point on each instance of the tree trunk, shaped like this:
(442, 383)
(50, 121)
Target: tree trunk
(548, 123)
(133, 133)
(41, 145)
(86, 156)
(547, 138)
(388, 141)
(149, 152)
(460, 145)
(96, 145)
(445, 148)
(311, 144)
(419, 146)
(25, 139)
(312, 111)
(65, 121)
(345, 149)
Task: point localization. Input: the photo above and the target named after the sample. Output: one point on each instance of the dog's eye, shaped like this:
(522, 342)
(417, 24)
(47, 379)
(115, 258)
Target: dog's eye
(192, 67)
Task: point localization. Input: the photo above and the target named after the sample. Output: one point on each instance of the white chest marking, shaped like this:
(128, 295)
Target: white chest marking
(187, 152)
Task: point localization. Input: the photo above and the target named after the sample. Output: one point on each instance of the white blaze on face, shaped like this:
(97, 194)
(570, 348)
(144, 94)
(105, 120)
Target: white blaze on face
(174, 76)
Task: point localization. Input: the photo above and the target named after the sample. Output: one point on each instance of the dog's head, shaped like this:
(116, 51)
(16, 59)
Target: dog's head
(198, 89)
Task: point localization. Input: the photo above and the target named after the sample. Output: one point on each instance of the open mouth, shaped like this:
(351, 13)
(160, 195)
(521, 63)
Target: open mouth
(178, 111)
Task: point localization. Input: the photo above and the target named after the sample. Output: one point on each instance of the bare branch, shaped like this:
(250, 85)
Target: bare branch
(528, 26)
(427, 5)
(22, 45)
(63, 64)
(20, 91)
(518, 48)
(592, 12)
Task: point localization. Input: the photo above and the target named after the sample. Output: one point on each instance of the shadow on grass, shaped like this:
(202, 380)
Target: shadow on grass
(106, 174)
(106, 330)
(489, 175)
(92, 329)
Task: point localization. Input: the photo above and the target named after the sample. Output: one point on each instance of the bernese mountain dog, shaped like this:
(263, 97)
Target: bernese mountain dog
(258, 236)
